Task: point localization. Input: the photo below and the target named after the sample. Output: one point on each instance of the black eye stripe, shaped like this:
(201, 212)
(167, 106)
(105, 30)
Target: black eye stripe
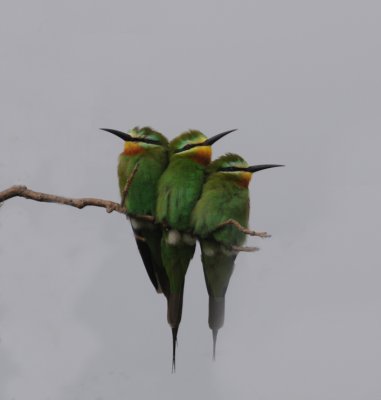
(230, 169)
(187, 147)
(149, 141)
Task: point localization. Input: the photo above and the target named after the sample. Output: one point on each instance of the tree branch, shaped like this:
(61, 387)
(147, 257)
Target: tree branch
(23, 191)
(110, 206)
(243, 229)
(245, 249)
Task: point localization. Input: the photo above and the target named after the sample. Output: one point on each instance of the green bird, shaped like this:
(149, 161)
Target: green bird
(179, 189)
(225, 196)
(145, 156)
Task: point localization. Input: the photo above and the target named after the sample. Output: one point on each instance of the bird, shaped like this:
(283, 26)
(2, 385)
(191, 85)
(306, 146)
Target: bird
(140, 165)
(179, 188)
(225, 196)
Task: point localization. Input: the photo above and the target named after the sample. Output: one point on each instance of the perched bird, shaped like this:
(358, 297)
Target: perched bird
(140, 166)
(225, 196)
(179, 188)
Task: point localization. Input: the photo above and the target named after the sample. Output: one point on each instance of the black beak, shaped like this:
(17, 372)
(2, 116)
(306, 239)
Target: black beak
(125, 136)
(256, 168)
(213, 139)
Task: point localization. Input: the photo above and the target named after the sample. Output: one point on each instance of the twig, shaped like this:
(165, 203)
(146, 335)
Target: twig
(245, 249)
(141, 238)
(23, 191)
(243, 229)
(128, 184)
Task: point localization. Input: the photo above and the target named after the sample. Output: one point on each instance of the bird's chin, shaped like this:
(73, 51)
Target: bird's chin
(244, 178)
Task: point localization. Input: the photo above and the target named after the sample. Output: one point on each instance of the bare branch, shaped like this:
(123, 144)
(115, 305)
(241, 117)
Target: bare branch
(128, 184)
(245, 249)
(110, 206)
(243, 229)
(23, 191)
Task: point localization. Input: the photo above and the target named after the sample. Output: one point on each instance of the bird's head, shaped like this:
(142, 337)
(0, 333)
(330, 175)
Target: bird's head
(234, 167)
(195, 145)
(138, 140)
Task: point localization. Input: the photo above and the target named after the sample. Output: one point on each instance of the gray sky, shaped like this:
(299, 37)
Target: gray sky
(301, 81)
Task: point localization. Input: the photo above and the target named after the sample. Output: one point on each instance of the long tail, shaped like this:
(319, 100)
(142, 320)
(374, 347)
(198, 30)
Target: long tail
(175, 259)
(148, 239)
(214, 333)
(174, 344)
(174, 312)
(216, 318)
(146, 256)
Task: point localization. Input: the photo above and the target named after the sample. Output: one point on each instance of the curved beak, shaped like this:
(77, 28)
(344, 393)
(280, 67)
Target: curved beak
(125, 136)
(256, 168)
(213, 139)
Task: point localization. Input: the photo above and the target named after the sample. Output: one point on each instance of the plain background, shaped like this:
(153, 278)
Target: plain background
(301, 81)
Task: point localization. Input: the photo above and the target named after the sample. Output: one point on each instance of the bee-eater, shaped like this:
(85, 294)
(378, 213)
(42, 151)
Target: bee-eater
(225, 196)
(179, 188)
(146, 153)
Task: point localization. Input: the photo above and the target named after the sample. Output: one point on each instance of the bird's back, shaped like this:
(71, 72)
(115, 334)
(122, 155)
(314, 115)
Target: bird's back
(220, 201)
(141, 200)
(179, 188)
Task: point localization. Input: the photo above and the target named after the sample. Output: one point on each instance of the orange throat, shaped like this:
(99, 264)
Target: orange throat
(244, 179)
(132, 148)
(202, 154)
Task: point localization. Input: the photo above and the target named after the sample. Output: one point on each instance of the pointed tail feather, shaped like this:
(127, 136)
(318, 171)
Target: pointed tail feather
(216, 318)
(174, 344)
(174, 312)
(214, 333)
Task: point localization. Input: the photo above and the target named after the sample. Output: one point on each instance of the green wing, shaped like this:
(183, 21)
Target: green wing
(141, 200)
(176, 259)
(179, 189)
(221, 201)
(142, 194)
(218, 266)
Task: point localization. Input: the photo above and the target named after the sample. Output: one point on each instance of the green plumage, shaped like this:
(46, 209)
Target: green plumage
(142, 198)
(223, 198)
(218, 267)
(142, 194)
(176, 259)
(179, 188)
